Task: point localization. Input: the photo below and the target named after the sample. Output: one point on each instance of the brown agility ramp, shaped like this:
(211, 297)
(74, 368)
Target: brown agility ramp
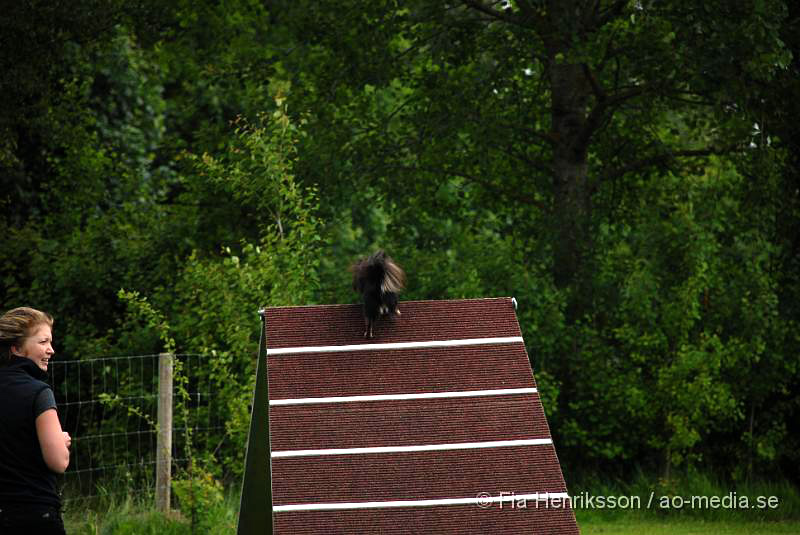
(434, 426)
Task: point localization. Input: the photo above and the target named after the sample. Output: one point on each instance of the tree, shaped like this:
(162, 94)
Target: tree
(627, 170)
(559, 123)
(570, 93)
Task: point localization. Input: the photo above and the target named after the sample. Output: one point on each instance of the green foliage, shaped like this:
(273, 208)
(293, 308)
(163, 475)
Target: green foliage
(628, 173)
(602, 154)
(671, 351)
(200, 497)
(139, 308)
(220, 296)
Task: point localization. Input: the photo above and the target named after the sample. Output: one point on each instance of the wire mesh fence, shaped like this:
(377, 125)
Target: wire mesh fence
(109, 407)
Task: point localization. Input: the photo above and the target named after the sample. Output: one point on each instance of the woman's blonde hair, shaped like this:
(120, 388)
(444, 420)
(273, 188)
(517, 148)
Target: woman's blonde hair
(16, 325)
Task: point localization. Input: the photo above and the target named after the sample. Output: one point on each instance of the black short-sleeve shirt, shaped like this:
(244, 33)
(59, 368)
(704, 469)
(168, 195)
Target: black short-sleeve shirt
(25, 478)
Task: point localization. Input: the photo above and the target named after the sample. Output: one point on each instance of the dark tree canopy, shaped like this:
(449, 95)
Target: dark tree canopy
(626, 169)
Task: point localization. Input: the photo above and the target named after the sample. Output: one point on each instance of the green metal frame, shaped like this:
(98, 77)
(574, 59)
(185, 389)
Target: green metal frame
(254, 517)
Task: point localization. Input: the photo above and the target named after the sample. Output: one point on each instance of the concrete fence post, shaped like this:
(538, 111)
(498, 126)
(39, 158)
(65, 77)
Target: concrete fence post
(164, 437)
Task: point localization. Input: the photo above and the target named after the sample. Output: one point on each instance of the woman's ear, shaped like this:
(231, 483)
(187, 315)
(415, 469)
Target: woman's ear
(15, 351)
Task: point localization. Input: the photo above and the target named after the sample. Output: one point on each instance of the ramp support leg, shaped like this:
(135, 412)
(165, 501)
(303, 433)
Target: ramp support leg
(255, 505)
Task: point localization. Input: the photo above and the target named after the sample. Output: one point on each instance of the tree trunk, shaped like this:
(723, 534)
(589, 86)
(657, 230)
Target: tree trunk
(570, 96)
(571, 200)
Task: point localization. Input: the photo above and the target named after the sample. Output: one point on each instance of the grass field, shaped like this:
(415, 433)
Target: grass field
(217, 514)
(691, 527)
(132, 522)
(129, 519)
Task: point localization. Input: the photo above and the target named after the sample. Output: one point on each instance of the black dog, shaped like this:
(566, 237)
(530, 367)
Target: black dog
(378, 279)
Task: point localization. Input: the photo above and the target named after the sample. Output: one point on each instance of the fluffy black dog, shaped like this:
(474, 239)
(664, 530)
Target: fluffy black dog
(378, 279)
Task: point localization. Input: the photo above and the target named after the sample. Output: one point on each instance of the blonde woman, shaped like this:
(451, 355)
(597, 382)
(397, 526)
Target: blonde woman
(33, 447)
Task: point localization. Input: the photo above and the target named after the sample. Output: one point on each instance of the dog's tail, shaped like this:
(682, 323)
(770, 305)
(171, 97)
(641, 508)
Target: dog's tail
(394, 278)
(379, 269)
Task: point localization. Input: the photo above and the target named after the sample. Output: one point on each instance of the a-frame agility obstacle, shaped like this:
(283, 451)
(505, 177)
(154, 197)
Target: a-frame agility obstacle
(434, 426)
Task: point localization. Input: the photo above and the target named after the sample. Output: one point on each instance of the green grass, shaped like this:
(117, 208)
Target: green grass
(123, 518)
(135, 516)
(696, 497)
(653, 513)
(687, 527)
(131, 523)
